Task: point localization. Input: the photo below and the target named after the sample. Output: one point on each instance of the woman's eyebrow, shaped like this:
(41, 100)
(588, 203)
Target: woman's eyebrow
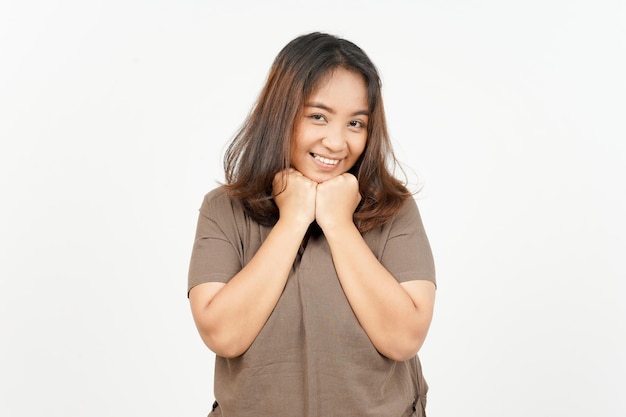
(332, 111)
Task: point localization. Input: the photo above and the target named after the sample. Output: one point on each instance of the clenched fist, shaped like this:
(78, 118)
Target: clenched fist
(294, 195)
(336, 201)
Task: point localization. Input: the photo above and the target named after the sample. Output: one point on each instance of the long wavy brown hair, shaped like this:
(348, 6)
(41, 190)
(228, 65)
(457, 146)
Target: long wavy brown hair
(262, 146)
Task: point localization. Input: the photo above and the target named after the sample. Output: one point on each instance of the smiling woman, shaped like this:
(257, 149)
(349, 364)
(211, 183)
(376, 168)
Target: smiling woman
(332, 130)
(311, 276)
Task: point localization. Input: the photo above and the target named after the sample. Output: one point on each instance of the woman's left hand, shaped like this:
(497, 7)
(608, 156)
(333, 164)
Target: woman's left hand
(336, 201)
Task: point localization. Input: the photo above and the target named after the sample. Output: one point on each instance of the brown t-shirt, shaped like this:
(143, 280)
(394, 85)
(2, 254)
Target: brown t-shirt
(312, 358)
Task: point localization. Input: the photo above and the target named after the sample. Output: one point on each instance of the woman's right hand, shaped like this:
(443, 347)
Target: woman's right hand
(295, 195)
(230, 316)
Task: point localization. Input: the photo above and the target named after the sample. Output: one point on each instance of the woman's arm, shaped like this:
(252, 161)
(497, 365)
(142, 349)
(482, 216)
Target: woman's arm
(230, 316)
(395, 316)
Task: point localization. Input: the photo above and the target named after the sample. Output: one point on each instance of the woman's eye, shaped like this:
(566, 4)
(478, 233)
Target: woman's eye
(316, 117)
(356, 123)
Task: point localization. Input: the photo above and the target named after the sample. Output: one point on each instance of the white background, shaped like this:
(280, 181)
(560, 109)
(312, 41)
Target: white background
(114, 116)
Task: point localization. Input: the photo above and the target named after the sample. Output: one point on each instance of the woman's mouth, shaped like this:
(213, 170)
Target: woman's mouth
(325, 161)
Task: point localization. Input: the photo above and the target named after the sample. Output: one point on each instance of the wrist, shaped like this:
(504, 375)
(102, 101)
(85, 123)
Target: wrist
(339, 230)
(293, 225)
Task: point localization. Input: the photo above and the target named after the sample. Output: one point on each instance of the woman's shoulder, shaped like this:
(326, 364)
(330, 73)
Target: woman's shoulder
(407, 212)
(406, 219)
(217, 195)
(219, 202)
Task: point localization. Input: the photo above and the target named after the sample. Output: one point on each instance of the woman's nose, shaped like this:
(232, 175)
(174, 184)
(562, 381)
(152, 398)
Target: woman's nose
(335, 140)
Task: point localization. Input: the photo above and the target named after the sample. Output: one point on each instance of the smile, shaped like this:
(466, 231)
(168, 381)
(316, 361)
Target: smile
(323, 160)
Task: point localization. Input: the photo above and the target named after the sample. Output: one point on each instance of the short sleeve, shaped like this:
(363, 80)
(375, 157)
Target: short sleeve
(407, 254)
(216, 253)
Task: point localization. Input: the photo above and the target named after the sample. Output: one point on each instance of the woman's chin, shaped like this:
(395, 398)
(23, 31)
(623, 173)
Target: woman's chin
(320, 177)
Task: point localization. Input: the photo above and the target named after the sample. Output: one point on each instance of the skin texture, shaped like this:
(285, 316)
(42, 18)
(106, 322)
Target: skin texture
(395, 316)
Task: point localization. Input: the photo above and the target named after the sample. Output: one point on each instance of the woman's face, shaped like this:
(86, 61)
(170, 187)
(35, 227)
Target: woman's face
(332, 131)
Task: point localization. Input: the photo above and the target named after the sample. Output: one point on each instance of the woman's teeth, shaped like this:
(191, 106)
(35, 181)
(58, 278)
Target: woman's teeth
(325, 160)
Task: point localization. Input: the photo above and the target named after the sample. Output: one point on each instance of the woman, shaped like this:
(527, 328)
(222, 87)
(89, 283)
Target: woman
(311, 277)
